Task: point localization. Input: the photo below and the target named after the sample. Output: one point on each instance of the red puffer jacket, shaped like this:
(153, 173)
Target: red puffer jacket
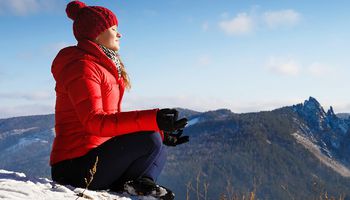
(88, 102)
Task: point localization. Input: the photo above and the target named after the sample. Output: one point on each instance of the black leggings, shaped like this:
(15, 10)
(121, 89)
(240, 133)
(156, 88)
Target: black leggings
(120, 159)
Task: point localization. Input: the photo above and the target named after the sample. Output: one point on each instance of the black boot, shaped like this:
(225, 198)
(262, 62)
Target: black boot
(147, 187)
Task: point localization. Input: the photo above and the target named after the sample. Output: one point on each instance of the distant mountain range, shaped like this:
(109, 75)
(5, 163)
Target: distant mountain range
(343, 115)
(295, 152)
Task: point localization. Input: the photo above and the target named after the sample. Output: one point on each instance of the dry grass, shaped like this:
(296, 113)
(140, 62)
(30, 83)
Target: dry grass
(201, 189)
(89, 179)
(326, 197)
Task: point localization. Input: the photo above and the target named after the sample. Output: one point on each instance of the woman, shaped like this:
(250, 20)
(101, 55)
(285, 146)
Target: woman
(126, 148)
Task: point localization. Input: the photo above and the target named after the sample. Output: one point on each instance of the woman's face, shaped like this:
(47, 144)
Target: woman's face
(110, 38)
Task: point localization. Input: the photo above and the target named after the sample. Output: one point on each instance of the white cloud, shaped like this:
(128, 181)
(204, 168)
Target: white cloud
(26, 103)
(282, 18)
(240, 25)
(26, 7)
(345, 108)
(33, 96)
(318, 69)
(197, 103)
(25, 110)
(202, 104)
(263, 104)
(247, 22)
(284, 66)
(340, 105)
(291, 67)
(21, 7)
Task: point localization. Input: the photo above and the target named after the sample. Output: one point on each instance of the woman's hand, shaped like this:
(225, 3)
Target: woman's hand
(172, 139)
(167, 120)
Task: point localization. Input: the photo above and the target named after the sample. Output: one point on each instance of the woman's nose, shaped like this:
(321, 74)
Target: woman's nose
(119, 35)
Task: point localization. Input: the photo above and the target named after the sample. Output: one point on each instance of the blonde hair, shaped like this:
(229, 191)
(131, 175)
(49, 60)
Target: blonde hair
(124, 74)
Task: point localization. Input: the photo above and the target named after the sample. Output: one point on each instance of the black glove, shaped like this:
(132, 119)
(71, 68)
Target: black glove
(167, 120)
(171, 139)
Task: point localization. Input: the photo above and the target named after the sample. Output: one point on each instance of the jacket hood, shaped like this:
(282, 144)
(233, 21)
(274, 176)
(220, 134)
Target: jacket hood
(64, 57)
(85, 50)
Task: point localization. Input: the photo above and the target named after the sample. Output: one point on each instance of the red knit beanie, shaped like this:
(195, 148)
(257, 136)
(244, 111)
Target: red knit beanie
(89, 21)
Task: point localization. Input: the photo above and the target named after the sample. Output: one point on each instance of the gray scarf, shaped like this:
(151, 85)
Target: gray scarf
(114, 57)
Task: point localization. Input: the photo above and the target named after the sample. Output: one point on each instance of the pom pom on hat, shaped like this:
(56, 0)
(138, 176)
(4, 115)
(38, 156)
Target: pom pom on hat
(73, 9)
(89, 21)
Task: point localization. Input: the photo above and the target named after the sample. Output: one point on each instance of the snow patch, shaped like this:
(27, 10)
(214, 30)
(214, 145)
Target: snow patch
(17, 131)
(193, 121)
(23, 142)
(305, 129)
(17, 186)
(4, 173)
(20, 131)
(315, 149)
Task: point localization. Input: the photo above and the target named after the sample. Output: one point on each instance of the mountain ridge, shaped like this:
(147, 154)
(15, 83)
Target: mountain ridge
(300, 147)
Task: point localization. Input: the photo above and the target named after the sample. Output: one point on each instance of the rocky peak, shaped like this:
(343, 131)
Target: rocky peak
(314, 115)
(326, 130)
(312, 106)
(312, 112)
(328, 126)
(330, 112)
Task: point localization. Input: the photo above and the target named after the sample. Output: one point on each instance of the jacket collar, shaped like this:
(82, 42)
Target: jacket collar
(93, 49)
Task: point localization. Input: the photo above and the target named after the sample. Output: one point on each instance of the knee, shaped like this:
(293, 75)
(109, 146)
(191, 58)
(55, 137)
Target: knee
(154, 141)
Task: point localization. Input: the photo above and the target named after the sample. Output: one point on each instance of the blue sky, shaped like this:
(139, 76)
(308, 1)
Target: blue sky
(243, 55)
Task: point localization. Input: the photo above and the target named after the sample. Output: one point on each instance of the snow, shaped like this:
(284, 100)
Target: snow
(316, 151)
(325, 149)
(17, 131)
(305, 130)
(20, 131)
(17, 186)
(193, 121)
(23, 142)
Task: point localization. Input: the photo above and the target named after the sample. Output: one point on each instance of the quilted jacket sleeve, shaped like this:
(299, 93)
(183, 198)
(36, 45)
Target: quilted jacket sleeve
(82, 81)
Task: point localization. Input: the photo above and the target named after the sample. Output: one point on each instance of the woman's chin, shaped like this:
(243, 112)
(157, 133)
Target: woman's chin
(115, 48)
